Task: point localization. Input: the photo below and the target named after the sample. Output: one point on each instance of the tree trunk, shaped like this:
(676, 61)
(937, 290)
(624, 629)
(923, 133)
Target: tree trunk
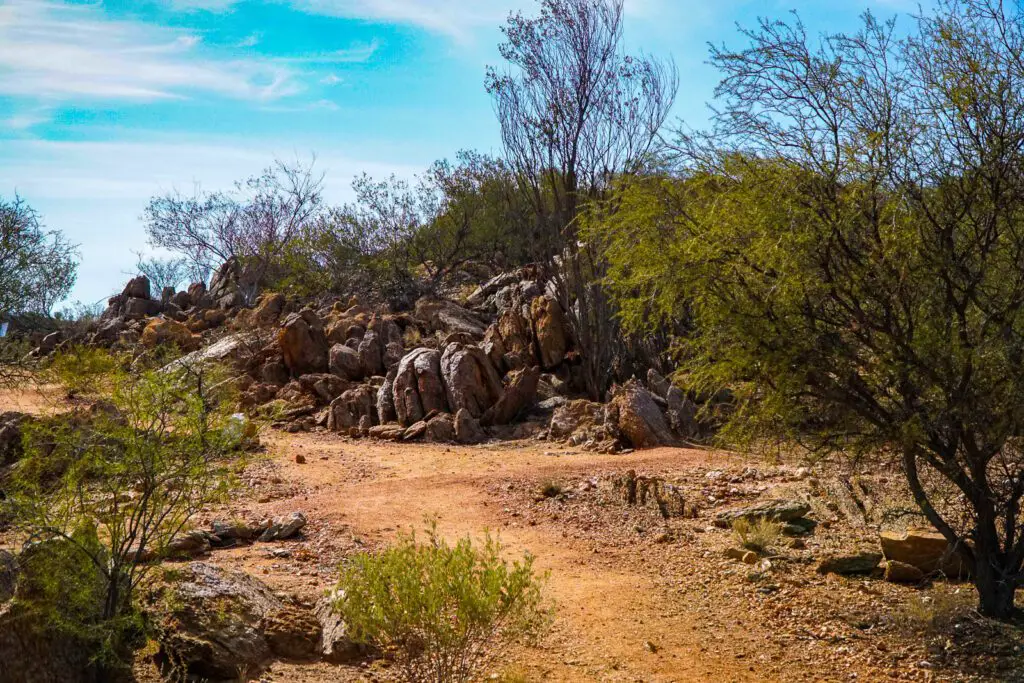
(995, 593)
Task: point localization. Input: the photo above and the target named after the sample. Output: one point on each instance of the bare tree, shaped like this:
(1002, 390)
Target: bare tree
(164, 272)
(253, 223)
(575, 112)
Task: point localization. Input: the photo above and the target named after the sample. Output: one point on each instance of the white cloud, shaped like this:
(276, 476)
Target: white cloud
(58, 52)
(455, 18)
(356, 53)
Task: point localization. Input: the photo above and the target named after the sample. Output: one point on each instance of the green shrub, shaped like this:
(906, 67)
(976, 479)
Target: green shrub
(758, 534)
(441, 611)
(83, 370)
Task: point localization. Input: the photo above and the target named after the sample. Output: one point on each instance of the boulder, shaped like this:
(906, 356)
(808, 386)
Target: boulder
(783, 511)
(639, 419)
(323, 386)
(900, 572)
(233, 347)
(470, 380)
(214, 623)
(417, 388)
(387, 432)
(574, 416)
(182, 300)
(226, 285)
(446, 316)
(303, 344)
(467, 428)
(336, 646)
(441, 428)
(351, 407)
(550, 331)
(386, 401)
(292, 633)
(855, 563)
(371, 354)
(137, 288)
(345, 362)
(519, 395)
(928, 550)
(137, 309)
(160, 331)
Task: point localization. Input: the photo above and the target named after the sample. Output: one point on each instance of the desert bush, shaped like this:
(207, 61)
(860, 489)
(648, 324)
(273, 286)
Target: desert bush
(933, 613)
(134, 472)
(441, 611)
(758, 534)
(551, 489)
(82, 370)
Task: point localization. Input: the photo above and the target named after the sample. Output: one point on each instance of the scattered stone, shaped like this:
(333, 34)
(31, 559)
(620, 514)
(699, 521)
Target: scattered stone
(901, 572)
(856, 563)
(300, 459)
(284, 528)
(927, 550)
(785, 511)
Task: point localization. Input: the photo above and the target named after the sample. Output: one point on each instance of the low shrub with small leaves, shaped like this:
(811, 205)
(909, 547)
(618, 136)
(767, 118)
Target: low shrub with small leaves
(441, 611)
(758, 534)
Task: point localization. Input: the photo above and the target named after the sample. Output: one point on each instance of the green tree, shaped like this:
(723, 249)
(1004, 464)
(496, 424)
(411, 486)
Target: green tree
(37, 266)
(849, 242)
(119, 485)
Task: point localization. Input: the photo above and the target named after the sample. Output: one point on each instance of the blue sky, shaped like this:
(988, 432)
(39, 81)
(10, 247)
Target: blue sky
(106, 103)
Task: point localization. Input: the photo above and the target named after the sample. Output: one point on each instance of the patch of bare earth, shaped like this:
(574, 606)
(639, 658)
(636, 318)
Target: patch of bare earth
(640, 597)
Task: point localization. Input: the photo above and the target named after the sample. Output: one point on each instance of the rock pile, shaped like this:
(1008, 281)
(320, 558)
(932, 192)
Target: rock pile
(501, 365)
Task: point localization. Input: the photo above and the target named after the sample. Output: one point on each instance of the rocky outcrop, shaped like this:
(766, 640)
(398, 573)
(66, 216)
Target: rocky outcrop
(470, 380)
(417, 388)
(303, 344)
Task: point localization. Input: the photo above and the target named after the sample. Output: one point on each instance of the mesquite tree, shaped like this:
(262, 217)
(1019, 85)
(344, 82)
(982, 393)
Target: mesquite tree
(849, 239)
(37, 267)
(575, 111)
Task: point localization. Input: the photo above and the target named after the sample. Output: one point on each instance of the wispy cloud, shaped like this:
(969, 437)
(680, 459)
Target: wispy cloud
(56, 52)
(354, 54)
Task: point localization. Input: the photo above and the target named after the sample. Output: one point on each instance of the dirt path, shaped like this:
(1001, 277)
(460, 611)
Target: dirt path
(613, 622)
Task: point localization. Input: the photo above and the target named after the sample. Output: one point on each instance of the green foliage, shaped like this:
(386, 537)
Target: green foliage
(83, 370)
(37, 266)
(134, 471)
(847, 241)
(440, 610)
